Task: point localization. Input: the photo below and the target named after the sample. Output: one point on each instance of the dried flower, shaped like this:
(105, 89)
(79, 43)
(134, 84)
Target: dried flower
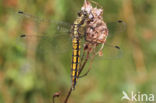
(96, 30)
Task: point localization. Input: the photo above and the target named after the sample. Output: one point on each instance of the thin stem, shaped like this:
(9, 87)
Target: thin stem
(69, 93)
(53, 100)
(57, 94)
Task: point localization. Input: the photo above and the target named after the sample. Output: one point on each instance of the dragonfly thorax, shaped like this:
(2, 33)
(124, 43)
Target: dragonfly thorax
(79, 25)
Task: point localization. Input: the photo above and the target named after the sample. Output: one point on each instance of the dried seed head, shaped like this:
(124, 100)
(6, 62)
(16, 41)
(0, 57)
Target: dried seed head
(87, 7)
(96, 31)
(97, 12)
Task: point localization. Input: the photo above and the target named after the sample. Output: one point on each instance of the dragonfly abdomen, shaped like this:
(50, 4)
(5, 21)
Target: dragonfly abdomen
(75, 60)
(76, 36)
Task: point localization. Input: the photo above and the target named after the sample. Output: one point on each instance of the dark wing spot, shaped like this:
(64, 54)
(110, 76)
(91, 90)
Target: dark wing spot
(117, 47)
(120, 21)
(20, 12)
(23, 35)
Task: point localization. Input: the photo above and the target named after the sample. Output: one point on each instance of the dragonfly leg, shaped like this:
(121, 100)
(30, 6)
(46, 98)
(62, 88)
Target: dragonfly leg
(84, 63)
(82, 58)
(81, 76)
(89, 68)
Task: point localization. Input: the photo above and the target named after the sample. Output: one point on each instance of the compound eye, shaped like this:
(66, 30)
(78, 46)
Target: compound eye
(85, 15)
(79, 13)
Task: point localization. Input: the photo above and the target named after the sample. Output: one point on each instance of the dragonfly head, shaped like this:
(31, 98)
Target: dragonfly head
(83, 14)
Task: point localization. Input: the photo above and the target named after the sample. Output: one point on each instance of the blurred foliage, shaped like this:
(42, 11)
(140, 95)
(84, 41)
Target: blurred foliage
(32, 75)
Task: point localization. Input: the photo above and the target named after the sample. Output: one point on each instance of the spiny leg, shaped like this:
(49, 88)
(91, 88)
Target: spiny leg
(83, 55)
(82, 58)
(84, 63)
(91, 61)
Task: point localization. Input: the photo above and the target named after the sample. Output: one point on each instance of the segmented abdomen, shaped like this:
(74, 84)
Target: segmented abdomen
(75, 60)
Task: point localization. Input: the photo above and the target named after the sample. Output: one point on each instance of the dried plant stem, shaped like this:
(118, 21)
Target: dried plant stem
(53, 100)
(69, 93)
(57, 94)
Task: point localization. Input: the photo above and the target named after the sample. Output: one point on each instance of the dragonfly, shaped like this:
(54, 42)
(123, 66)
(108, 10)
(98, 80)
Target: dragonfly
(58, 33)
(79, 23)
(60, 40)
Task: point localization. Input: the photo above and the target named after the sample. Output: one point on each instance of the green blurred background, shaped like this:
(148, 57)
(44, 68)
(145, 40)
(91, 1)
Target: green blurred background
(30, 76)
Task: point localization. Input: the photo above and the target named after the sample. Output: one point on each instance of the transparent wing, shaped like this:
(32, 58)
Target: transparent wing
(46, 43)
(115, 28)
(109, 52)
(57, 37)
(46, 35)
(59, 26)
(63, 44)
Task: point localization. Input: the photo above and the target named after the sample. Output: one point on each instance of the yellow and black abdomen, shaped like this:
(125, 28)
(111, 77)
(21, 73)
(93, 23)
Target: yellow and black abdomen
(75, 60)
(76, 36)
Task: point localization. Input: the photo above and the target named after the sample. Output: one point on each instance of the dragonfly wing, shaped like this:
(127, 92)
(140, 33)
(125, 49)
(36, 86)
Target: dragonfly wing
(44, 43)
(57, 44)
(59, 26)
(116, 27)
(109, 52)
(56, 38)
